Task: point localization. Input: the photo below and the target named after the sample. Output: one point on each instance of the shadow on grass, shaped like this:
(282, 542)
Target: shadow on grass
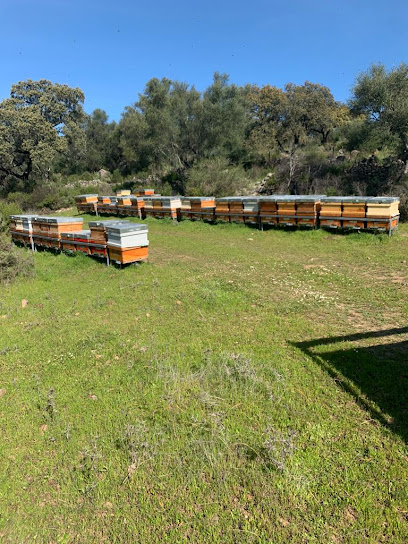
(376, 374)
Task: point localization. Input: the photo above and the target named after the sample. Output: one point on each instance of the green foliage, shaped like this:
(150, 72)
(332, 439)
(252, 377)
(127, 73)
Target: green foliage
(381, 96)
(7, 208)
(15, 263)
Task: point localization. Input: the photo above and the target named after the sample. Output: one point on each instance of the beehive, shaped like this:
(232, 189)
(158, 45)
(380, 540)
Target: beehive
(307, 210)
(137, 205)
(236, 209)
(202, 207)
(76, 241)
(222, 209)
(251, 209)
(286, 207)
(86, 203)
(98, 229)
(330, 211)
(383, 212)
(127, 243)
(354, 212)
(127, 235)
(123, 205)
(21, 223)
(143, 192)
(57, 225)
(170, 205)
(268, 210)
(123, 192)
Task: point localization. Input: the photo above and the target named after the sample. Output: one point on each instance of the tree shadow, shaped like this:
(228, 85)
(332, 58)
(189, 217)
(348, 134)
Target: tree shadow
(375, 374)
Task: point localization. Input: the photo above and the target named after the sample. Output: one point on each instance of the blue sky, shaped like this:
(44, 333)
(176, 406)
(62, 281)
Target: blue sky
(110, 49)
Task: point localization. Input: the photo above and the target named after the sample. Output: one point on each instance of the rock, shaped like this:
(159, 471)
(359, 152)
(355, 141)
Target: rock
(103, 174)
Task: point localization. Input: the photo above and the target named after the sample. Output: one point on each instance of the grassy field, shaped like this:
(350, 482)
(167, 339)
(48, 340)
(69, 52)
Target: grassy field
(240, 387)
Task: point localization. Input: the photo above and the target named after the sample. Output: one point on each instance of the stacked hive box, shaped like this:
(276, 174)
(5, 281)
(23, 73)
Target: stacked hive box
(124, 204)
(307, 210)
(76, 241)
(170, 206)
(144, 192)
(222, 211)
(330, 211)
(202, 207)
(127, 242)
(136, 208)
(185, 208)
(286, 207)
(251, 210)
(353, 212)
(47, 230)
(86, 203)
(382, 213)
(268, 211)
(108, 205)
(21, 228)
(98, 236)
(123, 192)
(236, 209)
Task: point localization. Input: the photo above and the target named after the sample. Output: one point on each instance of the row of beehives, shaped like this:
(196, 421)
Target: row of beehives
(119, 241)
(303, 210)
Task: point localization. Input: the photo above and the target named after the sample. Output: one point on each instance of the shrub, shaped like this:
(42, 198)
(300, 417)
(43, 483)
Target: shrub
(14, 263)
(6, 209)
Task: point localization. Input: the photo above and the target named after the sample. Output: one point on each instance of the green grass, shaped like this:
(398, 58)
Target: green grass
(232, 389)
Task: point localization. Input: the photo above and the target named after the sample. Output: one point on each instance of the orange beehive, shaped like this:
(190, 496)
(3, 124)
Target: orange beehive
(330, 211)
(222, 209)
(236, 207)
(354, 212)
(383, 213)
(286, 210)
(307, 210)
(143, 192)
(268, 210)
(128, 255)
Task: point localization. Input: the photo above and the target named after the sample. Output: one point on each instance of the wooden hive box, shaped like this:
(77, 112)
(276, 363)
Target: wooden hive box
(236, 206)
(268, 210)
(222, 209)
(251, 209)
(354, 212)
(143, 192)
(286, 210)
(383, 212)
(137, 205)
(98, 230)
(57, 225)
(127, 235)
(170, 206)
(330, 211)
(307, 209)
(123, 192)
(128, 255)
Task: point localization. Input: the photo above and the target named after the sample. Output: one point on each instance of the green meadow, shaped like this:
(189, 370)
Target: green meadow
(240, 387)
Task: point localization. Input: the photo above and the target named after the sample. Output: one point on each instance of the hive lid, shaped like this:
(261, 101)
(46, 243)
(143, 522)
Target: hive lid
(82, 196)
(355, 199)
(338, 199)
(382, 199)
(59, 220)
(106, 223)
(199, 198)
(129, 227)
(309, 198)
(27, 217)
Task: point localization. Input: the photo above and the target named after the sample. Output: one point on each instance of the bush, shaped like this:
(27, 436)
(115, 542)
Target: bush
(216, 177)
(7, 209)
(14, 263)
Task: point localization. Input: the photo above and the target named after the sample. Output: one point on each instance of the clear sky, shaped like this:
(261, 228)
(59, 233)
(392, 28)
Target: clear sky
(110, 49)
